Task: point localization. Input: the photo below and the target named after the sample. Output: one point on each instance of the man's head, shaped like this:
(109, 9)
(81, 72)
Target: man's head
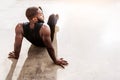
(35, 14)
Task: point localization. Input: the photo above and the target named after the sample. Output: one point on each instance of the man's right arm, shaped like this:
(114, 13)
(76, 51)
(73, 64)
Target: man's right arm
(18, 42)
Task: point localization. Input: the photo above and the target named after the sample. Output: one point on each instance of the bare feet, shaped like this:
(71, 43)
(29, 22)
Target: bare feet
(57, 16)
(12, 55)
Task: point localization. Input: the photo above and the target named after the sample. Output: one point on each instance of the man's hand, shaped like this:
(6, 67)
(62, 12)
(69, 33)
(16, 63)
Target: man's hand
(61, 62)
(12, 55)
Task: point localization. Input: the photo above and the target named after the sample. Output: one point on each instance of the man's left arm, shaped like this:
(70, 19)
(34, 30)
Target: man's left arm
(47, 41)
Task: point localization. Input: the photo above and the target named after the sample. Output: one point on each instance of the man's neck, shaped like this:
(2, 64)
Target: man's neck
(32, 25)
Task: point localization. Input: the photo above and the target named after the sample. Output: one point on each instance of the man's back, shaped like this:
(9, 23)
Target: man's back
(32, 35)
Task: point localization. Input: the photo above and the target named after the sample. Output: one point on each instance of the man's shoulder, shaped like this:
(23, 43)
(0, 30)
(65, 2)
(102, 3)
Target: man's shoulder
(19, 27)
(45, 29)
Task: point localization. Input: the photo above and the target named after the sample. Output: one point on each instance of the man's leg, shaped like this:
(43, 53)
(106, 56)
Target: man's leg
(52, 21)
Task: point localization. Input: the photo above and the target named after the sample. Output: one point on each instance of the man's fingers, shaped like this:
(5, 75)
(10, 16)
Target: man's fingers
(12, 55)
(61, 58)
(62, 66)
(64, 62)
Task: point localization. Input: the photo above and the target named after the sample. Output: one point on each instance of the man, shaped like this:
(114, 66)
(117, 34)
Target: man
(36, 32)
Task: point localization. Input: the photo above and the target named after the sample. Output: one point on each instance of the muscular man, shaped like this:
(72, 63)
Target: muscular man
(36, 32)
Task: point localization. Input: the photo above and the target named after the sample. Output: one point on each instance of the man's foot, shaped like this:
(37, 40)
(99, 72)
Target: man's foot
(12, 55)
(57, 16)
(52, 20)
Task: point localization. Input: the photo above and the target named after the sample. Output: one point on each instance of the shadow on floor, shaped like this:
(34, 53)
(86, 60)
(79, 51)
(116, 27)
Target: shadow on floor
(11, 71)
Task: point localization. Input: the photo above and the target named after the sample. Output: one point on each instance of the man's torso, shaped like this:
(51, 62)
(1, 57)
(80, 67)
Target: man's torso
(32, 35)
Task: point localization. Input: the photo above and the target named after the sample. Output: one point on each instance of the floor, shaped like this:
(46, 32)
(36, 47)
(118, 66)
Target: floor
(88, 37)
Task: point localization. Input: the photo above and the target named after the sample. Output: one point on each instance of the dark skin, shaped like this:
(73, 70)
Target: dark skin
(44, 33)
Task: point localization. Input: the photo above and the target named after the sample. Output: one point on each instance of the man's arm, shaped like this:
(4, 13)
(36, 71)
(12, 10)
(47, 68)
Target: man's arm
(18, 42)
(47, 41)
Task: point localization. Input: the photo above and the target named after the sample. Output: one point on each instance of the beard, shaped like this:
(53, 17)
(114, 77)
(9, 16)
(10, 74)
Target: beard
(40, 21)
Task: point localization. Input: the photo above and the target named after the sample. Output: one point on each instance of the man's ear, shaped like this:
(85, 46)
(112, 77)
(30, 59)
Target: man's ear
(34, 19)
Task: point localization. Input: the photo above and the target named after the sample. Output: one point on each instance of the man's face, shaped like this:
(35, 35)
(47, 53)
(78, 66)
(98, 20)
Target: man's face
(40, 16)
